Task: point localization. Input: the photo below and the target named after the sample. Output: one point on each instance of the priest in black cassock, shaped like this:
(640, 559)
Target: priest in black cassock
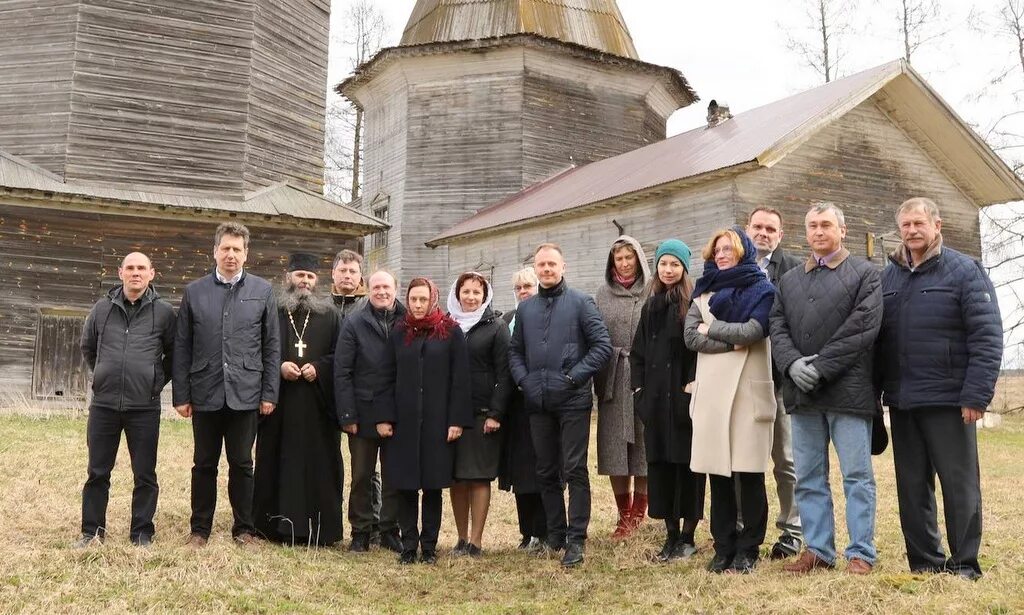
(299, 471)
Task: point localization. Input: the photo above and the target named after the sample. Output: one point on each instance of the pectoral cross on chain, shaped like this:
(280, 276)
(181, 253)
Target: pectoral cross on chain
(301, 345)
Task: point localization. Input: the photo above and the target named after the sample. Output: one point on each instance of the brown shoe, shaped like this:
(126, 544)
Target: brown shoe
(196, 541)
(807, 562)
(858, 566)
(245, 539)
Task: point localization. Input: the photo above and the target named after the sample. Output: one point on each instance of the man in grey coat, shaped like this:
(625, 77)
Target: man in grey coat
(823, 328)
(764, 227)
(227, 357)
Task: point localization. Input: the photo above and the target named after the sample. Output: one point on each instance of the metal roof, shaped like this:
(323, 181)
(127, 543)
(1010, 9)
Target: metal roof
(597, 24)
(760, 138)
(282, 201)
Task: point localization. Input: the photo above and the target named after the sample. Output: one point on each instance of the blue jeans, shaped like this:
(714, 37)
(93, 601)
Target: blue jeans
(851, 436)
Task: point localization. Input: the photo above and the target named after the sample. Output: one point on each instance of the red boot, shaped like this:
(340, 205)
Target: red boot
(623, 501)
(638, 510)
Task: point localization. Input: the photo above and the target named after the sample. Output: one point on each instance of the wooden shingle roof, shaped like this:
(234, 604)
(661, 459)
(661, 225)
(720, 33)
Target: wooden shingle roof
(280, 204)
(596, 24)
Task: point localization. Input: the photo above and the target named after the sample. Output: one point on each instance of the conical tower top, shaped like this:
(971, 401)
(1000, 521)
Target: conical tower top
(596, 24)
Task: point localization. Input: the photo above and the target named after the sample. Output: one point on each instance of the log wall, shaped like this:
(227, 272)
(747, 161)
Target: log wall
(868, 166)
(63, 262)
(221, 95)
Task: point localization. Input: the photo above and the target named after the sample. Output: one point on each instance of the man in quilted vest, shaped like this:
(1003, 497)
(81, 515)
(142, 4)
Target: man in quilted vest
(939, 353)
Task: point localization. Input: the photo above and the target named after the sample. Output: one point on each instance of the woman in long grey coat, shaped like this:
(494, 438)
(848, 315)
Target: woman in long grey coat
(620, 432)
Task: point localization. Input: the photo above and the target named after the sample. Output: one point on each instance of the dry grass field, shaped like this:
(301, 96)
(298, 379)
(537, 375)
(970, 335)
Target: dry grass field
(42, 466)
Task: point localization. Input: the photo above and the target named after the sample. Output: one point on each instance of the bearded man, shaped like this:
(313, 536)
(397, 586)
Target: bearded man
(299, 472)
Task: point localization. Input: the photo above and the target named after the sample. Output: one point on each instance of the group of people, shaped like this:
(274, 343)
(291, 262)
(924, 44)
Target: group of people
(765, 359)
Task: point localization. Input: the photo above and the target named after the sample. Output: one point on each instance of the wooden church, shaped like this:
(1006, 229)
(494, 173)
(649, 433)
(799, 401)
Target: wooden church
(497, 125)
(141, 126)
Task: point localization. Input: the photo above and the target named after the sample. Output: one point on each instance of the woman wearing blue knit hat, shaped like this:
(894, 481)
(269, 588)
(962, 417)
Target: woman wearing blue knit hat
(660, 366)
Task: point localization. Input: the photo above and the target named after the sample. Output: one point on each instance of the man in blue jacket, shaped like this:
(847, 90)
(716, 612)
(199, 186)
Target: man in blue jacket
(939, 351)
(560, 341)
(127, 342)
(227, 357)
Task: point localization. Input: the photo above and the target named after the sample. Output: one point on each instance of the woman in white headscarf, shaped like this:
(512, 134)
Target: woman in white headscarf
(478, 451)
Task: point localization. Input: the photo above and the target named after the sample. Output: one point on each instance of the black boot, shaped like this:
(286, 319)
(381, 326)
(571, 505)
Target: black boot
(671, 538)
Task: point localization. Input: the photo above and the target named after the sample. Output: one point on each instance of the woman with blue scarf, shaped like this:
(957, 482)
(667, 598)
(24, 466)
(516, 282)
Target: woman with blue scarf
(732, 396)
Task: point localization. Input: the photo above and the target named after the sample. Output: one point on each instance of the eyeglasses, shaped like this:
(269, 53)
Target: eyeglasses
(519, 287)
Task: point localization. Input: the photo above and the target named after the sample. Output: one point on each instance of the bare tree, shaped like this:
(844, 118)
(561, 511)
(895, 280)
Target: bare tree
(820, 40)
(362, 35)
(920, 22)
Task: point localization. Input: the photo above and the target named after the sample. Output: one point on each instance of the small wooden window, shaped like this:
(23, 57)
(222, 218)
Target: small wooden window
(380, 238)
(59, 370)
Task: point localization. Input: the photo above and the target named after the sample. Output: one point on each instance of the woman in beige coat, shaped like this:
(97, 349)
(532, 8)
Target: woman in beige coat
(733, 398)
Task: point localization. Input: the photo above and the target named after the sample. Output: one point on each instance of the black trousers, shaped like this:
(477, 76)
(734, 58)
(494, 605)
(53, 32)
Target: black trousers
(530, 510)
(562, 442)
(725, 512)
(926, 442)
(236, 430)
(372, 507)
(675, 491)
(103, 436)
(430, 518)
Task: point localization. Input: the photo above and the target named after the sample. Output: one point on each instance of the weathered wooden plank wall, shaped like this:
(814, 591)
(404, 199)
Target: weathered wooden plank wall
(160, 93)
(287, 100)
(37, 53)
(222, 95)
(63, 260)
(482, 125)
(868, 166)
(585, 237)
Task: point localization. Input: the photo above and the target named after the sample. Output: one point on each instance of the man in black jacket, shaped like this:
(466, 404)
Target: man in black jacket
(764, 227)
(372, 507)
(939, 353)
(560, 341)
(128, 342)
(227, 357)
(347, 289)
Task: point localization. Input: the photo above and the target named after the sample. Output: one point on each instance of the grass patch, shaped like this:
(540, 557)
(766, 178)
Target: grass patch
(42, 467)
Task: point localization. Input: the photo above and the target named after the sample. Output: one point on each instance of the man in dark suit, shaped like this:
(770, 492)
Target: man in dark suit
(764, 227)
(227, 358)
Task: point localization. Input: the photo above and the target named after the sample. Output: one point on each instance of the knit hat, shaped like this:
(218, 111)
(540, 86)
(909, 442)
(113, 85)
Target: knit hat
(300, 261)
(676, 248)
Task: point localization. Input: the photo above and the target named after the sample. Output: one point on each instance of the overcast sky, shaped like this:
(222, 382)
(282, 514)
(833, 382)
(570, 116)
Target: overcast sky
(737, 51)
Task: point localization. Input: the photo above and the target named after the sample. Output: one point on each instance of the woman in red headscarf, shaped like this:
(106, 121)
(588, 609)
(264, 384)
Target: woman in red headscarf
(420, 413)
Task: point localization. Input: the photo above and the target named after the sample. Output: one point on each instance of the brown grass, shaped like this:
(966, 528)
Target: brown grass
(42, 466)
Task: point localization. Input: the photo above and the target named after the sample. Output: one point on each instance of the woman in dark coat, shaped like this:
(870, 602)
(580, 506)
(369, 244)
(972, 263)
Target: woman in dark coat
(421, 411)
(661, 365)
(478, 451)
(518, 471)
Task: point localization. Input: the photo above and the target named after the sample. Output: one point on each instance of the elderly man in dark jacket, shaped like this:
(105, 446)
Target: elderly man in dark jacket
(372, 507)
(559, 343)
(823, 328)
(127, 342)
(939, 353)
(227, 358)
